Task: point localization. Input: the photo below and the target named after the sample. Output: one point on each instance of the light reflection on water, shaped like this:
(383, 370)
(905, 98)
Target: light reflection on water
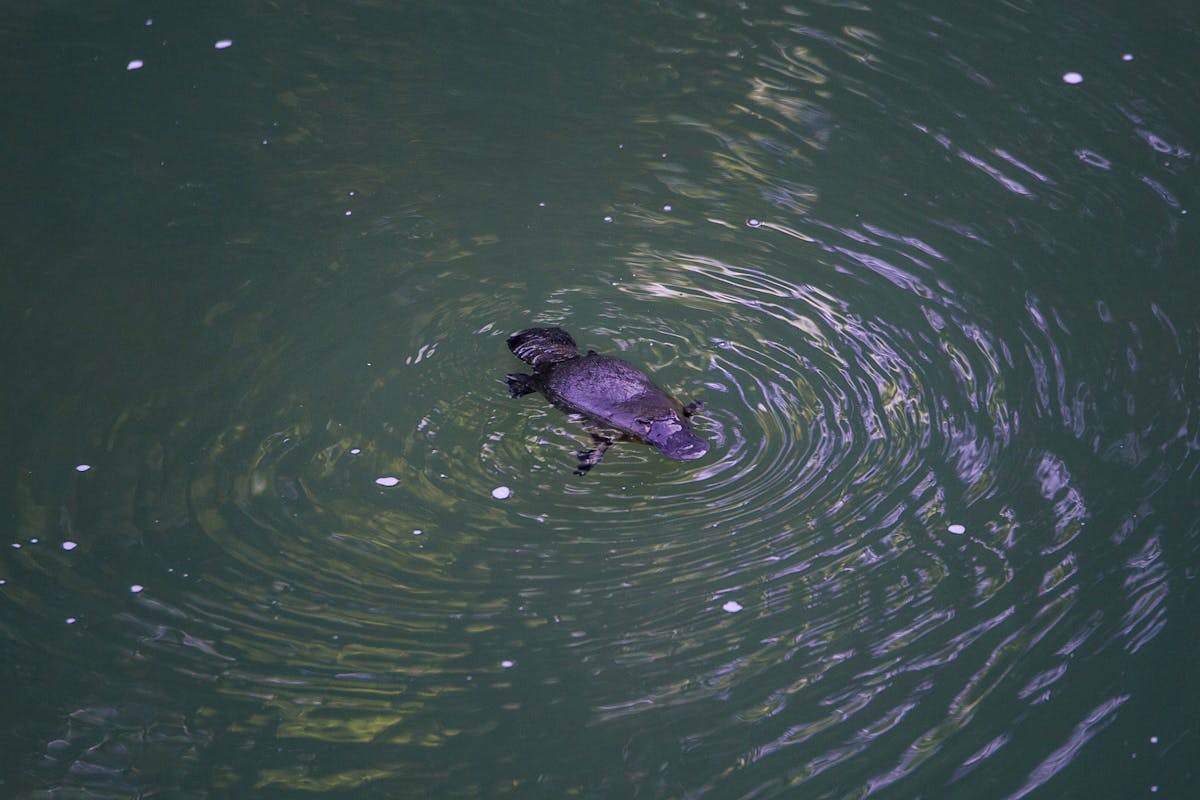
(900, 321)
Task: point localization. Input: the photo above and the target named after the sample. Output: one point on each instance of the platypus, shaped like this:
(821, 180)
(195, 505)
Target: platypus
(611, 394)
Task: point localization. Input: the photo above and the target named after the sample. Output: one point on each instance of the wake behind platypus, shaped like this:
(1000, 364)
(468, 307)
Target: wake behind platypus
(610, 394)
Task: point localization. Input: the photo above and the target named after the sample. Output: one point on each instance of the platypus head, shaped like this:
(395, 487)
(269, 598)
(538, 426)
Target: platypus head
(673, 438)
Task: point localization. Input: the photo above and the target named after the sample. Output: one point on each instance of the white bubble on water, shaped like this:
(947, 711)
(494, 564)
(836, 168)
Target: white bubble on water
(957, 529)
(1072, 77)
(733, 606)
(501, 492)
(387, 480)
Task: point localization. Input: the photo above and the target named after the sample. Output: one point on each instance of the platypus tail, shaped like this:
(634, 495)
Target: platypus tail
(540, 347)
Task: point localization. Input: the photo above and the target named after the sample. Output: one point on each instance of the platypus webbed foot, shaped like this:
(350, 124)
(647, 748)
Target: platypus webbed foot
(590, 458)
(519, 384)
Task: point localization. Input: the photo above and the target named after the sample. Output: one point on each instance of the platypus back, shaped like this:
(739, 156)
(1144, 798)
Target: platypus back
(540, 347)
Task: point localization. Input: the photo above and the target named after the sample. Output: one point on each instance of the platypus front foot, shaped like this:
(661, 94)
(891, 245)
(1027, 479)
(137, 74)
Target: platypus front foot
(590, 458)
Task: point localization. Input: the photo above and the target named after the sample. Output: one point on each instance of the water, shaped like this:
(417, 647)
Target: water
(938, 301)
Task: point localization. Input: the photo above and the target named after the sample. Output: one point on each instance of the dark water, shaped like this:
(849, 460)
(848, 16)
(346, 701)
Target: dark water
(939, 301)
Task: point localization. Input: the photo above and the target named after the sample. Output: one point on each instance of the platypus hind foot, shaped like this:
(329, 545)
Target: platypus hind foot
(519, 384)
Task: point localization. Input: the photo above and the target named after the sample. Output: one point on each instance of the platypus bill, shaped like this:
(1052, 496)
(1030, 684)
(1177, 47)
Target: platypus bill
(611, 394)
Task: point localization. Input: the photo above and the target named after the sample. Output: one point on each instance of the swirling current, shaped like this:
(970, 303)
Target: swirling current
(943, 540)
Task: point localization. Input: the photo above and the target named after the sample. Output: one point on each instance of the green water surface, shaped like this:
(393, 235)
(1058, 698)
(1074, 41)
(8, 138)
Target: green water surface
(272, 526)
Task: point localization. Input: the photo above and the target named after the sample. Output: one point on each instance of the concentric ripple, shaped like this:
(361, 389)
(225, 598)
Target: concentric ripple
(862, 502)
